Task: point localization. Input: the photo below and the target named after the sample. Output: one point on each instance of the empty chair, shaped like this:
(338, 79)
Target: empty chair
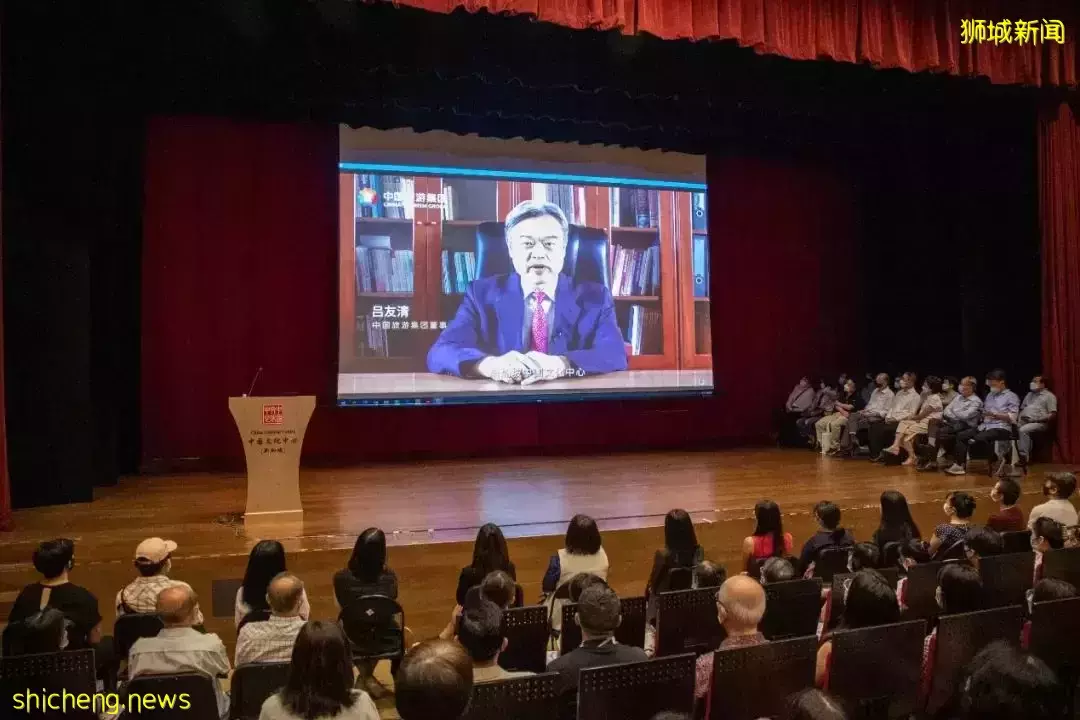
(131, 627)
(631, 630)
(959, 638)
(637, 691)
(198, 688)
(792, 609)
(754, 682)
(875, 671)
(686, 621)
(1006, 578)
(375, 626)
(921, 588)
(831, 561)
(1063, 565)
(526, 631)
(59, 672)
(252, 684)
(535, 697)
(840, 583)
(1055, 627)
(1016, 542)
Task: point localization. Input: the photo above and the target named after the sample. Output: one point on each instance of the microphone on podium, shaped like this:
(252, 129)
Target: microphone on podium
(253, 381)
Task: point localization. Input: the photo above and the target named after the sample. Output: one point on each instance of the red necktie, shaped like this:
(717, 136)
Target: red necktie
(539, 324)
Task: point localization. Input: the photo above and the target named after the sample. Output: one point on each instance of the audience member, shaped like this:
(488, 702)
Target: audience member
(54, 559)
(153, 561)
(1058, 487)
(1009, 517)
(1004, 683)
(959, 590)
(1037, 414)
(1000, 409)
(931, 408)
(43, 632)
(480, 633)
(948, 390)
(266, 561)
(434, 682)
(582, 552)
(490, 553)
(498, 587)
(740, 606)
(800, 400)
(829, 534)
(828, 427)
(877, 407)
(367, 572)
(776, 569)
(963, 413)
(905, 405)
(868, 387)
(896, 524)
(982, 542)
(958, 507)
(709, 574)
(913, 552)
(1046, 535)
(824, 404)
(320, 681)
(273, 639)
(769, 538)
(179, 647)
(870, 601)
(680, 552)
(812, 704)
(1046, 590)
(863, 556)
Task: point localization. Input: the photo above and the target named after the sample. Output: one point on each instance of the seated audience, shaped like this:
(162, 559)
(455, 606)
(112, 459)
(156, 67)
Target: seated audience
(1046, 535)
(912, 553)
(963, 413)
(999, 413)
(905, 405)
(740, 606)
(812, 704)
(709, 574)
(367, 572)
(896, 524)
(1058, 487)
(1009, 517)
(959, 591)
(320, 682)
(272, 640)
(1037, 414)
(1004, 683)
(932, 408)
(434, 682)
(680, 552)
(877, 407)
(982, 542)
(824, 404)
(958, 507)
(498, 588)
(179, 647)
(480, 633)
(490, 553)
(153, 561)
(776, 569)
(829, 534)
(582, 552)
(828, 427)
(1045, 590)
(948, 390)
(863, 556)
(43, 632)
(266, 561)
(870, 601)
(799, 400)
(769, 538)
(54, 559)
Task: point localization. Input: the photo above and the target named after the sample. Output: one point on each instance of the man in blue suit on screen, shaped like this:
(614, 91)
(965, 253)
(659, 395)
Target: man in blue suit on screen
(535, 323)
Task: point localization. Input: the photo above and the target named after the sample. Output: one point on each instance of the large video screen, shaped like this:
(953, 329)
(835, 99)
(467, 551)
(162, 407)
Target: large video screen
(516, 280)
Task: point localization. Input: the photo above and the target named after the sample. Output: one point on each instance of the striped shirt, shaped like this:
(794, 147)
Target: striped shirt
(268, 641)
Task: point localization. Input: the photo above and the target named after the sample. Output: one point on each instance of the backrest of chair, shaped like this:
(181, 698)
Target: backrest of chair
(1055, 627)
(637, 691)
(875, 671)
(1063, 565)
(959, 638)
(533, 697)
(831, 561)
(840, 583)
(250, 686)
(631, 630)
(686, 621)
(956, 551)
(526, 631)
(1006, 578)
(921, 590)
(198, 689)
(586, 253)
(129, 628)
(792, 608)
(374, 624)
(755, 681)
(1016, 541)
(69, 671)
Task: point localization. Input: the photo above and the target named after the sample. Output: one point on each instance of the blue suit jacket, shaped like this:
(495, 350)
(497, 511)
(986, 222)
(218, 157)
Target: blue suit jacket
(490, 321)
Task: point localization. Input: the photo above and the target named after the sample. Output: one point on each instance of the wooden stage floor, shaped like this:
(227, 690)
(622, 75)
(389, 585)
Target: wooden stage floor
(430, 512)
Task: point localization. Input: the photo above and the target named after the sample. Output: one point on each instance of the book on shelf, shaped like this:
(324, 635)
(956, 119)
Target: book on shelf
(698, 211)
(635, 207)
(701, 265)
(394, 197)
(635, 271)
(380, 268)
(570, 199)
(702, 329)
(644, 331)
(458, 270)
(371, 342)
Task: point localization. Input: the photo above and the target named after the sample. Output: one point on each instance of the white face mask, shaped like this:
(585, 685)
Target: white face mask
(946, 387)
(1034, 387)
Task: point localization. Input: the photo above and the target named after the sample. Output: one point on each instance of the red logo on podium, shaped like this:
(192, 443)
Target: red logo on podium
(273, 414)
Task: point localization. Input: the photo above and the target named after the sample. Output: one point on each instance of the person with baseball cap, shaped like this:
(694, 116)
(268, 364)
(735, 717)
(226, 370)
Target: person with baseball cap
(153, 560)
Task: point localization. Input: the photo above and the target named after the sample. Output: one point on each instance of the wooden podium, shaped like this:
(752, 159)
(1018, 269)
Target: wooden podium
(272, 430)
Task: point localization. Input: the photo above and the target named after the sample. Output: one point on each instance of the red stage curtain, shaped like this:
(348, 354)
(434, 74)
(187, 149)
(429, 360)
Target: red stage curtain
(1059, 201)
(912, 34)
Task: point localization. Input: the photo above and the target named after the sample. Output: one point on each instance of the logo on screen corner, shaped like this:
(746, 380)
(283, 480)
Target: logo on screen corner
(367, 196)
(273, 414)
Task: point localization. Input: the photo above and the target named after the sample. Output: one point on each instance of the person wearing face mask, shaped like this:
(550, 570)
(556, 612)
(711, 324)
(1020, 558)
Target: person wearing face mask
(1000, 409)
(905, 406)
(872, 414)
(153, 561)
(1037, 412)
(828, 427)
(1058, 488)
(964, 412)
(824, 404)
(907, 430)
(948, 390)
(959, 591)
(1046, 535)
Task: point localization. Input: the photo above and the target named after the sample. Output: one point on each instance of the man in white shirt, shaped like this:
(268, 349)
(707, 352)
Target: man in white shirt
(1037, 412)
(873, 414)
(1058, 488)
(179, 647)
(905, 405)
(272, 640)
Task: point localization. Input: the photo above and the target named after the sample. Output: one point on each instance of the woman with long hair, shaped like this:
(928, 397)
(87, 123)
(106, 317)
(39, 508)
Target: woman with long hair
(869, 601)
(896, 523)
(320, 682)
(267, 559)
(681, 550)
(769, 539)
(490, 554)
(367, 573)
